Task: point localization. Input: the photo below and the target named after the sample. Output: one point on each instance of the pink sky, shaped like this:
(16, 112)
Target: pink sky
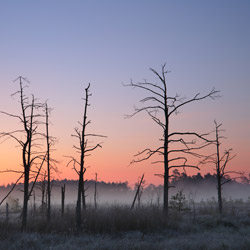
(61, 46)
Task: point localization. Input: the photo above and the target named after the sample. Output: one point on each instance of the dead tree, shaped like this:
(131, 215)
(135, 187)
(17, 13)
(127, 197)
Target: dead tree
(95, 192)
(50, 162)
(161, 107)
(221, 161)
(138, 192)
(84, 149)
(29, 119)
(63, 198)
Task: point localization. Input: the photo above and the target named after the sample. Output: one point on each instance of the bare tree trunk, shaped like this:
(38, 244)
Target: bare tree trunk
(165, 193)
(48, 163)
(25, 200)
(78, 204)
(166, 171)
(82, 168)
(165, 151)
(95, 192)
(219, 195)
(83, 195)
(43, 197)
(218, 169)
(83, 148)
(137, 192)
(63, 198)
(27, 162)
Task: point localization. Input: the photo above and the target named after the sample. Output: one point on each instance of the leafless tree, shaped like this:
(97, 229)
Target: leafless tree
(139, 190)
(29, 119)
(161, 107)
(51, 163)
(84, 148)
(221, 160)
(62, 198)
(95, 192)
(48, 161)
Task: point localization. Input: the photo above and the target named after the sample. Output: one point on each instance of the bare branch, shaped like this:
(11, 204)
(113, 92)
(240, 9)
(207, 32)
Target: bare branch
(91, 149)
(11, 171)
(155, 119)
(38, 172)
(201, 136)
(142, 86)
(103, 136)
(138, 110)
(184, 166)
(14, 185)
(213, 94)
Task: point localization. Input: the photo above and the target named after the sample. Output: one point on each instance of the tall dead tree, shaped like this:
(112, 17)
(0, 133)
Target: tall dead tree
(84, 149)
(161, 107)
(29, 119)
(221, 160)
(48, 143)
(51, 163)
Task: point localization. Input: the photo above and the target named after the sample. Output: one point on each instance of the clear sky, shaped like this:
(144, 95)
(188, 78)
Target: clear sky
(61, 46)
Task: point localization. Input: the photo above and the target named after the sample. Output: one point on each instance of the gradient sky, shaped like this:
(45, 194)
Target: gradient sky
(61, 46)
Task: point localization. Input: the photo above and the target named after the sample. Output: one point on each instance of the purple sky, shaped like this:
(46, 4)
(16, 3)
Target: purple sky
(60, 46)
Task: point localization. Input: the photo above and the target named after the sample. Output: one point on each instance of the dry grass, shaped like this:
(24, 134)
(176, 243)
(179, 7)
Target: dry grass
(116, 227)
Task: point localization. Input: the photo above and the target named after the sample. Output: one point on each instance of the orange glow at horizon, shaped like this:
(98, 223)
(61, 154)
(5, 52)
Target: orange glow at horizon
(111, 166)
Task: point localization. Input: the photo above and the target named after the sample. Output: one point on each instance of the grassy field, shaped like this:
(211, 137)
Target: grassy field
(116, 227)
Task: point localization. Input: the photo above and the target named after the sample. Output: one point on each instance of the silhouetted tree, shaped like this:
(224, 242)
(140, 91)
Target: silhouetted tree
(95, 192)
(221, 162)
(138, 193)
(84, 150)
(51, 163)
(48, 161)
(29, 119)
(161, 107)
(63, 198)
